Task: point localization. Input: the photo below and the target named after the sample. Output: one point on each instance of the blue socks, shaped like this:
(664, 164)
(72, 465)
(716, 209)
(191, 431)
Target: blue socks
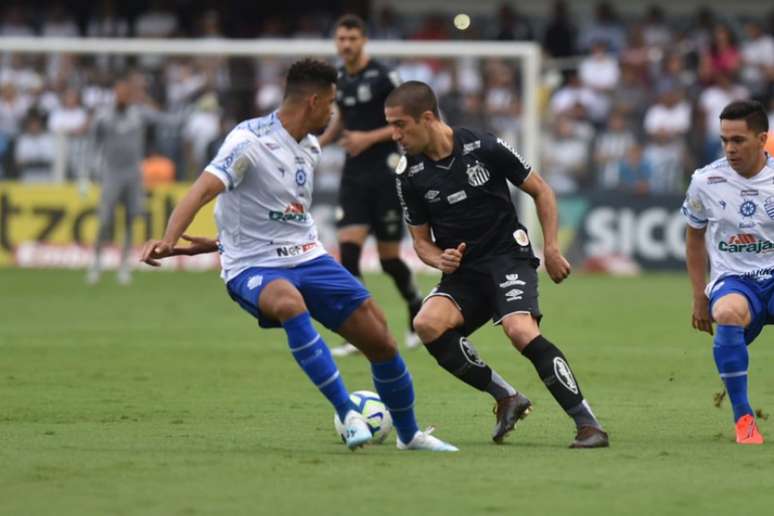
(731, 357)
(315, 359)
(393, 383)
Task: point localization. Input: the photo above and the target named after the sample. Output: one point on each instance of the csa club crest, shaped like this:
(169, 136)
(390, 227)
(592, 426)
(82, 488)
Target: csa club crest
(477, 174)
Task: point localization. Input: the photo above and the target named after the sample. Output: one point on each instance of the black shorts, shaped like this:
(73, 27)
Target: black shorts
(371, 203)
(506, 285)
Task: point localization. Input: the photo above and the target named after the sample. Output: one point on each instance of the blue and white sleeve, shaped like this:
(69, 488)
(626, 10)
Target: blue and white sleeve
(693, 207)
(231, 162)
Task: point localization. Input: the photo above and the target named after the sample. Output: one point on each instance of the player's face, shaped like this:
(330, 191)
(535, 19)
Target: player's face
(349, 44)
(741, 145)
(321, 108)
(410, 134)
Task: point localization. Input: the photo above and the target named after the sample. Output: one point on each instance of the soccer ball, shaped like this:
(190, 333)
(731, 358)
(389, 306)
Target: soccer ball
(370, 405)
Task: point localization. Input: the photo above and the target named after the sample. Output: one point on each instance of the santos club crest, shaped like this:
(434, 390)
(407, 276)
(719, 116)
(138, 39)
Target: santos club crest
(477, 174)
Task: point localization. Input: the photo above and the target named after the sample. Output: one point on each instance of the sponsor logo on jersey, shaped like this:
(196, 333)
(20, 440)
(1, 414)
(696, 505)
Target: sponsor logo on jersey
(513, 295)
(512, 280)
(281, 171)
(713, 180)
(371, 73)
(299, 160)
(254, 282)
(416, 169)
(295, 250)
(768, 205)
(521, 237)
(457, 197)
(564, 375)
(747, 209)
(746, 243)
(272, 146)
(516, 154)
(477, 174)
(723, 204)
(295, 212)
(349, 101)
(760, 274)
(470, 147)
(432, 195)
(471, 355)
(748, 193)
(300, 177)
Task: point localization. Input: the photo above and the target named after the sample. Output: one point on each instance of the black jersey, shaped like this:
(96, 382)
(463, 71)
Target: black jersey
(360, 99)
(465, 197)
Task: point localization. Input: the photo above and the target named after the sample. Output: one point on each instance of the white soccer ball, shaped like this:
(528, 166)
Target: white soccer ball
(370, 405)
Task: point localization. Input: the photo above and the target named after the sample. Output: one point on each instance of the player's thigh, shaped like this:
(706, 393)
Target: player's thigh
(386, 213)
(268, 294)
(112, 192)
(330, 291)
(366, 329)
(468, 307)
(353, 211)
(135, 200)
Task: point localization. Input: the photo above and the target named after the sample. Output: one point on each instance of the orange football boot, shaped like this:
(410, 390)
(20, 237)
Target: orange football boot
(747, 431)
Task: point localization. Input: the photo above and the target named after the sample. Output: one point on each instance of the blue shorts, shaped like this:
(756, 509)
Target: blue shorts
(330, 292)
(760, 298)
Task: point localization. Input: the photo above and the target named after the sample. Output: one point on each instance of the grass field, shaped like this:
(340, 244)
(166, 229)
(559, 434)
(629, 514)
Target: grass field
(163, 398)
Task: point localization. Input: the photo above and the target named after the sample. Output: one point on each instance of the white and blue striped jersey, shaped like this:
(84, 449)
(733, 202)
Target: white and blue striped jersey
(263, 217)
(739, 216)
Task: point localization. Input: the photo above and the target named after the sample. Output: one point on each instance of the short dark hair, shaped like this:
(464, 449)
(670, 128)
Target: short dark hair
(352, 21)
(751, 111)
(307, 76)
(415, 98)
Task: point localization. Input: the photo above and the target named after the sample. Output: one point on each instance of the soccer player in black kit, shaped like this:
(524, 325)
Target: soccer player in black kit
(453, 185)
(367, 198)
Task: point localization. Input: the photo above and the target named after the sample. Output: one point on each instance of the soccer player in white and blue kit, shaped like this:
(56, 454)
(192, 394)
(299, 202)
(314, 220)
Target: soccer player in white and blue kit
(730, 212)
(273, 263)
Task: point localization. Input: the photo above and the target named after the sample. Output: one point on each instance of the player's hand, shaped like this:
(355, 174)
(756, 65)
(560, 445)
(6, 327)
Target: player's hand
(701, 319)
(557, 266)
(154, 250)
(355, 142)
(451, 259)
(198, 245)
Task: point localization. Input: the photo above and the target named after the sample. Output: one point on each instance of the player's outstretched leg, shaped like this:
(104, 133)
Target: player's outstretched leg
(554, 370)
(281, 301)
(731, 312)
(367, 328)
(438, 324)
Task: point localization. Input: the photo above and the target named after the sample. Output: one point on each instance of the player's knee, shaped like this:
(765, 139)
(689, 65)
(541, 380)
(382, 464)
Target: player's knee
(730, 314)
(288, 307)
(429, 326)
(521, 330)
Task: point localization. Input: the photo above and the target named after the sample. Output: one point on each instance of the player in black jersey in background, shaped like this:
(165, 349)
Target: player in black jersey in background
(367, 197)
(453, 185)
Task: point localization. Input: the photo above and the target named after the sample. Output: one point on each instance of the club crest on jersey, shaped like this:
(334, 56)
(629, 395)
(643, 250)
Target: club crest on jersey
(768, 205)
(477, 174)
(364, 93)
(521, 237)
(748, 208)
(564, 375)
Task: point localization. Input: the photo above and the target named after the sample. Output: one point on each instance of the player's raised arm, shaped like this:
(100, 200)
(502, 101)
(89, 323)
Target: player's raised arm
(206, 187)
(557, 266)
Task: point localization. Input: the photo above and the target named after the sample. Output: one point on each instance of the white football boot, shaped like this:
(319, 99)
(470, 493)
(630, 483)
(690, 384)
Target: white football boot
(412, 340)
(425, 441)
(345, 350)
(357, 430)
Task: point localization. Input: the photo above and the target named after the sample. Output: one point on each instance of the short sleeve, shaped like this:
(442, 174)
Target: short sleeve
(231, 162)
(413, 211)
(693, 207)
(505, 160)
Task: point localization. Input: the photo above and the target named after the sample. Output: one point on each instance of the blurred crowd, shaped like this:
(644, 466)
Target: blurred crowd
(627, 103)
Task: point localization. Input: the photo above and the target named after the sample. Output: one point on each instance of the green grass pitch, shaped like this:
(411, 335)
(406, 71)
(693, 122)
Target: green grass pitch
(164, 398)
